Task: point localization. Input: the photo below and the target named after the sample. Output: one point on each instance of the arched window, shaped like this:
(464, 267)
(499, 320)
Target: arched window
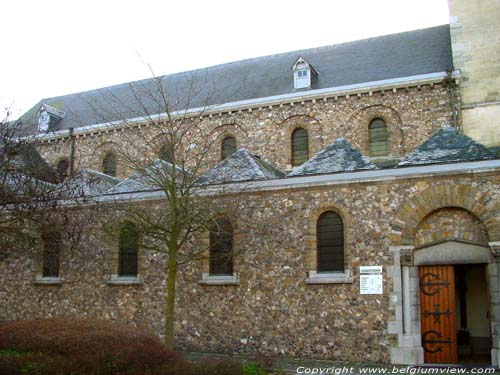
(221, 248)
(51, 254)
(300, 147)
(109, 164)
(378, 137)
(228, 146)
(129, 249)
(166, 153)
(330, 242)
(62, 169)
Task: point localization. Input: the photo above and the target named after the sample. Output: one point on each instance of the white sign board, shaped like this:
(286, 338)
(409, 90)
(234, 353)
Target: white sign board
(370, 280)
(370, 270)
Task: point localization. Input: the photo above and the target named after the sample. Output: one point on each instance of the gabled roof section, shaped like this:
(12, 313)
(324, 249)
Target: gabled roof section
(381, 58)
(88, 183)
(240, 166)
(338, 157)
(447, 145)
(149, 179)
(51, 110)
(300, 61)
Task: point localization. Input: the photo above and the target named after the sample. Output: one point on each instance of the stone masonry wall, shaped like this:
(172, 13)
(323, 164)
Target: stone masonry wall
(475, 36)
(412, 115)
(449, 223)
(272, 310)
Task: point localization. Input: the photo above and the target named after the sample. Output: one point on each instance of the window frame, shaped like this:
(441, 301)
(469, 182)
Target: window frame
(224, 144)
(378, 143)
(105, 160)
(131, 228)
(294, 163)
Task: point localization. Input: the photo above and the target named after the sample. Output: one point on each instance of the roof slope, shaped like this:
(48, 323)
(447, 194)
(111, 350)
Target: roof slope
(447, 145)
(88, 182)
(384, 57)
(240, 166)
(150, 178)
(340, 156)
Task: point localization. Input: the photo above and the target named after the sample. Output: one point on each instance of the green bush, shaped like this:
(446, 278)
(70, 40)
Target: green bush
(252, 369)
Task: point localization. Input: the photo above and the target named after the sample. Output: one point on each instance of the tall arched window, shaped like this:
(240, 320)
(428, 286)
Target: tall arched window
(109, 164)
(166, 153)
(330, 242)
(62, 169)
(129, 249)
(51, 254)
(378, 137)
(221, 248)
(300, 147)
(228, 147)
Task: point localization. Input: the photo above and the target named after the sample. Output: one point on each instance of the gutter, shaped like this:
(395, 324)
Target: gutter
(347, 90)
(324, 180)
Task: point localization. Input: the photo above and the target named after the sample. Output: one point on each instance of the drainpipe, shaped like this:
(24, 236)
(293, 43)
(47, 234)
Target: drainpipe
(451, 87)
(71, 152)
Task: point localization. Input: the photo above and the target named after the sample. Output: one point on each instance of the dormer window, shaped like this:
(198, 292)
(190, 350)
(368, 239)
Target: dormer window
(48, 116)
(303, 74)
(43, 121)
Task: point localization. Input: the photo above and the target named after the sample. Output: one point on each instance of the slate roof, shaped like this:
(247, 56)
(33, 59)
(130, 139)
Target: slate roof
(88, 182)
(384, 57)
(240, 166)
(447, 145)
(149, 179)
(340, 156)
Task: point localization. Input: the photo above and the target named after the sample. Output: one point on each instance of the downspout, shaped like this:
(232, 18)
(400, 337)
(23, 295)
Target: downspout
(453, 101)
(71, 152)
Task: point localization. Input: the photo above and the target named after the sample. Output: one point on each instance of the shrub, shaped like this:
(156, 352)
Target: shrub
(218, 367)
(253, 369)
(33, 364)
(89, 345)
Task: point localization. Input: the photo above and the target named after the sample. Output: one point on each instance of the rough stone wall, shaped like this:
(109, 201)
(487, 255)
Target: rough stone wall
(412, 115)
(272, 310)
(449, 223)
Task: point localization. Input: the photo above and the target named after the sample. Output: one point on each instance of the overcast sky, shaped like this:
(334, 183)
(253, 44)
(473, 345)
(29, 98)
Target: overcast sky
(53, 48)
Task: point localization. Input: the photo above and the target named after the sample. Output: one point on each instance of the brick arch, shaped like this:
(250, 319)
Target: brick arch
(306, 122)
(359, 121)
(483, 205)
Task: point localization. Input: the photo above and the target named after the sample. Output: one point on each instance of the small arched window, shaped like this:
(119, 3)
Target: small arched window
(51, 254)
(378, 137)
(109, 164)
(330, 242)
(221, 248)
(300, 147)
(228, 147)
(129, 249)
(62, 169)
(166, 153)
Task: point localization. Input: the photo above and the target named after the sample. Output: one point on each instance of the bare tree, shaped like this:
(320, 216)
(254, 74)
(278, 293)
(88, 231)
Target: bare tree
(167, 149)
(32, 195)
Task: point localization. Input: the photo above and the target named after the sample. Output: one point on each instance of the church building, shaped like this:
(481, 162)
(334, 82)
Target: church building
(369, 222)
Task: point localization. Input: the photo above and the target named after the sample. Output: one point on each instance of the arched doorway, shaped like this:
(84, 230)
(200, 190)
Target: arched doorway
(451, 254)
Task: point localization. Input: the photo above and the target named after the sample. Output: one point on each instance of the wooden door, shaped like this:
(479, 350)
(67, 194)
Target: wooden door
(437, 314)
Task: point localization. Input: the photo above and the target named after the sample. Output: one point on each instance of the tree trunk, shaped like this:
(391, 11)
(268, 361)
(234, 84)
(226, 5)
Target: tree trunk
(170, 303)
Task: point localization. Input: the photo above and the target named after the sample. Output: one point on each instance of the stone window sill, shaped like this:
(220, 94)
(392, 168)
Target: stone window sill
(329, 278)
(207, 279)
(125, 280)
(43, 280)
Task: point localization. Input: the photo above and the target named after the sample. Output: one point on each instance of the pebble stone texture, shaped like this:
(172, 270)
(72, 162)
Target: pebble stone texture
(272, 310)
(412, 115)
